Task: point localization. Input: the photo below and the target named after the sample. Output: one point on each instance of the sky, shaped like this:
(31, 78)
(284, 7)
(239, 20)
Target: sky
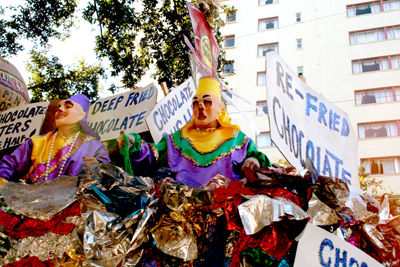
(80, 44)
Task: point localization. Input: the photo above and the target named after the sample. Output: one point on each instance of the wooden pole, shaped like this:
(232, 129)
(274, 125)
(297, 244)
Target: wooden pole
(164, 88)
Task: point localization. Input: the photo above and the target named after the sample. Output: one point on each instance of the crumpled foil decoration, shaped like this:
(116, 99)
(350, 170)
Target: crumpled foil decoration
(109, 241)
(261, 211)
(320, 213)
(186, 219)
(106, 185)
(45, 247)
(114, 236)
(42, 200)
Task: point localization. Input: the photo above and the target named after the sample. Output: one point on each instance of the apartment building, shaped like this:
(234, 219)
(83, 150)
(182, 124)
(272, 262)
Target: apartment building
(348, 51)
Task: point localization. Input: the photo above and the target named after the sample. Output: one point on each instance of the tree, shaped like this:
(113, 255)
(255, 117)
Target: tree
(52, 80)
(133, 40)
(134, 34)
(37, 21)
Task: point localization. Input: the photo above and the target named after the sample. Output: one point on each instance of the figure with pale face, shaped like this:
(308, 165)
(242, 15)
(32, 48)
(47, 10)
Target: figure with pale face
(206, 146)
(61, 152)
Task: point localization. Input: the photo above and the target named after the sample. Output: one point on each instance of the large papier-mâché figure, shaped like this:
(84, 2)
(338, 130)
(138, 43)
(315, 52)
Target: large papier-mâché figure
(206, 146)
(61, 152)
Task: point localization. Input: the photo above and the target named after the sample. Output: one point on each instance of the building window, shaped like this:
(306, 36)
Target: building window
(268, 23)
(374, 35)
(298, 17)
(299, 43)
(264, 140)
(229, 94)
(229, 41)
(228, 68)
(372, 7)
(261, 78)
(263, 106)
(266, 2)
(381, 165)
(231, 17)
(300, 71)
(377, 95)
(265, 48)
(375, 130)
(376, 64)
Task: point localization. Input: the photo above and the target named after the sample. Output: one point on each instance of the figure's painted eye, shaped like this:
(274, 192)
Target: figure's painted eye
(207, 102)
(195, 104)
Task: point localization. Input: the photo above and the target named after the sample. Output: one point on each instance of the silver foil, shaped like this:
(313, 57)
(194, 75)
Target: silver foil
(262, 210)
(110, 242)
(320, 213)
(42, 200)
(47, 246)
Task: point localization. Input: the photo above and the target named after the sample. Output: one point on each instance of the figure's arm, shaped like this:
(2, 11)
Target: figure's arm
(17, 164)
(254, 158)
(140, 158)
(102, 154)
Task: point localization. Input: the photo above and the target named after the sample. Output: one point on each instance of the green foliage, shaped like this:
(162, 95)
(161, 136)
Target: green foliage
(52, 80)
(133, 40)
(133, 36)
(36, 20)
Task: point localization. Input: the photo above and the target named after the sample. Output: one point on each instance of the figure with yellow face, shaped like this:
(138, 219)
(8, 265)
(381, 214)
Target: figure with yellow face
(61, 152)
(206, 146)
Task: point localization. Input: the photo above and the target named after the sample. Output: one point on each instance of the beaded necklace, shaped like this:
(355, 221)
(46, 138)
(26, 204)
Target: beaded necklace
(205, 129)
(66, 156)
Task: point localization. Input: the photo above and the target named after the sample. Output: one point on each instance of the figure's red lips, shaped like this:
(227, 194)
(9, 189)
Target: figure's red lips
(201, 116)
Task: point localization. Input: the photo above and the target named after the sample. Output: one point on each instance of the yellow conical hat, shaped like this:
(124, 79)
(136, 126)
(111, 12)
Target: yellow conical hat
(208, 85)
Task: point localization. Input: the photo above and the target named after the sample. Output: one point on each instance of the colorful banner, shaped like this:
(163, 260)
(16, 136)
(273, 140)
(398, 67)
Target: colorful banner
(172, 112)
(19, 123)
(206, 50)
(318, 247)
(305, 124)
(124, 112)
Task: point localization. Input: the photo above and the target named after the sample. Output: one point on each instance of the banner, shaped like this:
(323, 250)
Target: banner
(172, 112)
(124, 112)
(19, 123)
(206, 49)
(305, 124)
(319, 248)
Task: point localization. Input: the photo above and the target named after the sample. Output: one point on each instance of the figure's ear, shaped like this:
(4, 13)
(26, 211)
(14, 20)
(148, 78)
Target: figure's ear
(221, 106)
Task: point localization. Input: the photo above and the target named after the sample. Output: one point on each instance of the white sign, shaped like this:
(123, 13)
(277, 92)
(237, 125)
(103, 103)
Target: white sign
(305, 124)
(124, 112)
(319, 248)
(173, 111)
(19, 123)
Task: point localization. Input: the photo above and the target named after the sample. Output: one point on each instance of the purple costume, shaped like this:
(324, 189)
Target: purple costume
(18, 165)
(194, 168)
(29, 161)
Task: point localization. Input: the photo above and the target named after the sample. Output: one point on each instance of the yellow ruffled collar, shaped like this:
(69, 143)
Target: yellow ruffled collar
(209, 141)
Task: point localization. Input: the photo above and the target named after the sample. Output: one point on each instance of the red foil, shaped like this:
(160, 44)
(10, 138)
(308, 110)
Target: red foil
(274, 239)
(18, 228)
(32, 261)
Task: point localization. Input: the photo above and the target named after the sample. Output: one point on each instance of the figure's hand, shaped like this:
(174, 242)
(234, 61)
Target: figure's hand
(251, 163)
(121, 140)
(90, 160)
